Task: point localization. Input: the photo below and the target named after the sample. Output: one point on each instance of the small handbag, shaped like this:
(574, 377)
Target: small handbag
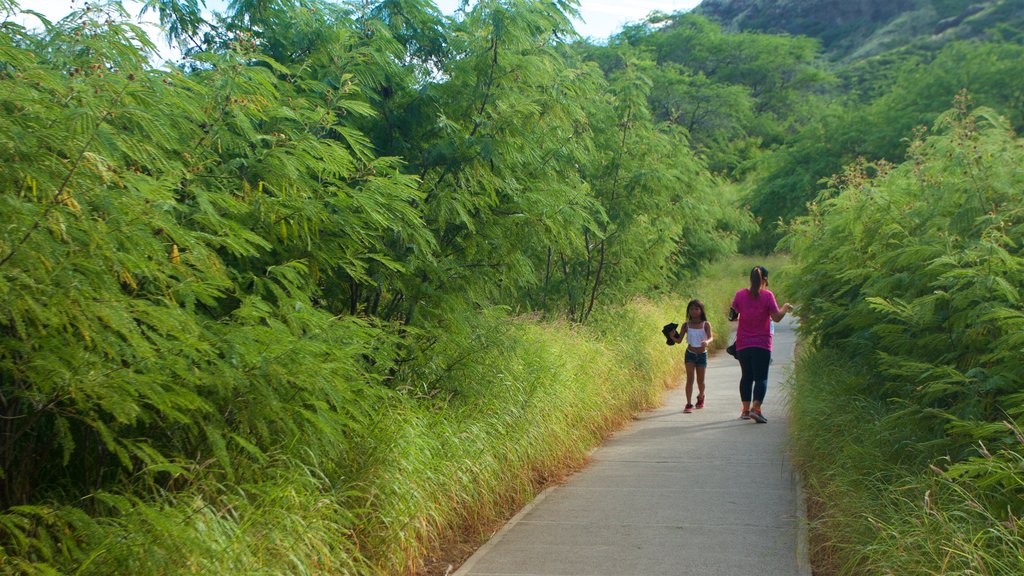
(731, 350)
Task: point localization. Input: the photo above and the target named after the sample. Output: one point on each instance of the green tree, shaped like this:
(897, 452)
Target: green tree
(910, 94)
(162, 232)
(734, 92)
(917, 268)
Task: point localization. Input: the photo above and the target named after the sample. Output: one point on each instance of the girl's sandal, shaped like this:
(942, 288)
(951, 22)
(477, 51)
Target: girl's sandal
(700, 401)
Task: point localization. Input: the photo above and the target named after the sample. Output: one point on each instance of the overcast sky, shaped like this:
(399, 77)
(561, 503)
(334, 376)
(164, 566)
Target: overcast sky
(601, 18)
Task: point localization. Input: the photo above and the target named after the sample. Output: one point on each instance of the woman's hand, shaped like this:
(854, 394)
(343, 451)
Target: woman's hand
(782, 312)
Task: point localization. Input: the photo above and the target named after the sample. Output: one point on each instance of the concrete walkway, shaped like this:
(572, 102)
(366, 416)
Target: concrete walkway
(672, 494)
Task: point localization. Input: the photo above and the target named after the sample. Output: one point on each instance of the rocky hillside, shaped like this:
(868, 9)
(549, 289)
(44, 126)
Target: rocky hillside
(853, 29)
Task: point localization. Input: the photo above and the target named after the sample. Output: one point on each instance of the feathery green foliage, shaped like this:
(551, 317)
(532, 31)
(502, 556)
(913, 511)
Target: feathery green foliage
(910, 281)
(922, 263)
(734, 93)
(256, 308)
(162, 340)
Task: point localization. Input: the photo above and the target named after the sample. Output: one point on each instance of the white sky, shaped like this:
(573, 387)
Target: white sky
(601, 18)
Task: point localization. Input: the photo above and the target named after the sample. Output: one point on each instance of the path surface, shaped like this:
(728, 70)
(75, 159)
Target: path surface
(672, 494)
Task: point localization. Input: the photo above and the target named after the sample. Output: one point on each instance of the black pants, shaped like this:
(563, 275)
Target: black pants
(754, 364)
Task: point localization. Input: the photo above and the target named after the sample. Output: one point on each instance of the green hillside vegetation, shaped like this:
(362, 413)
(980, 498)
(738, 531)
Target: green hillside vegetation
(734, 94)
(877, 118)
(853, 30)
(768, 112)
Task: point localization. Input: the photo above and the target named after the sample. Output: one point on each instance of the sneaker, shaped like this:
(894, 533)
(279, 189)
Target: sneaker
(700, 402)
(756, 416)
(688, 409)
(745, 415)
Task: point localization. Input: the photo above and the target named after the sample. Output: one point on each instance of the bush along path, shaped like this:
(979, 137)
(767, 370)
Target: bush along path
(909, 279)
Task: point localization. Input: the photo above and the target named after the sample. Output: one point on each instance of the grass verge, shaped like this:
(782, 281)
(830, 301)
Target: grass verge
(873, 507)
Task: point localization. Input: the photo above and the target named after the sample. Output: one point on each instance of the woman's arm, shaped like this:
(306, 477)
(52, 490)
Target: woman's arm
(778, 316)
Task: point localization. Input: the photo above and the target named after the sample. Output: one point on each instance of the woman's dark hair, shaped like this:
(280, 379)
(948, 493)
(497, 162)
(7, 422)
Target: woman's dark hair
(698, 304)
(757, 275)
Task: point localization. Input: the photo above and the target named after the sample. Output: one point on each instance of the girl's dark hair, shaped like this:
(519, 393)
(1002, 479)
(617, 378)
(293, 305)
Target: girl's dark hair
(757, 275)
(699, 304)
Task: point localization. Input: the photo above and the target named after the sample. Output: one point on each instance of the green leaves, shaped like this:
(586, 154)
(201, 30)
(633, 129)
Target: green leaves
(143, 208)
(899, 95)
(918, 268)
(216, 279)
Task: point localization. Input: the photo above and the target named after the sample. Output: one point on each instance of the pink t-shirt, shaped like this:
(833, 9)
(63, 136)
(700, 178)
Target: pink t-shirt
(755, 329)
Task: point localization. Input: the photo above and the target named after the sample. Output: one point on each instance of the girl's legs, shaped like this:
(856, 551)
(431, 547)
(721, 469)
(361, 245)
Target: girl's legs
(700, 385)
(690, 369)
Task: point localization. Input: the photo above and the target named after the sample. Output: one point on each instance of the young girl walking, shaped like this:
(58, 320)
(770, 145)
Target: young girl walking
(698, 336)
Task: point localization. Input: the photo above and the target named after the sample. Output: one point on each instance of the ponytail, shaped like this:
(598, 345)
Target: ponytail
(756, 280)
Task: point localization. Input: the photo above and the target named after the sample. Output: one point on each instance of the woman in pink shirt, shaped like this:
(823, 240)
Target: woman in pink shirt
(756, 308)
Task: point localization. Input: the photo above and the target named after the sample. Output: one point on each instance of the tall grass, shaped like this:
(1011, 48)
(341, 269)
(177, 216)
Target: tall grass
(291, 521)
(471, 432)
(876, 505)
(525, 411)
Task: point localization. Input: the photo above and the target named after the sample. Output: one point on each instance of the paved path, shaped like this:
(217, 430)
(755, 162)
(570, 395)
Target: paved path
(672, 494)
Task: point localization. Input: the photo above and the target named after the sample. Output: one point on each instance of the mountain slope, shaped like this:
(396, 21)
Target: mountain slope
(855, 29)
